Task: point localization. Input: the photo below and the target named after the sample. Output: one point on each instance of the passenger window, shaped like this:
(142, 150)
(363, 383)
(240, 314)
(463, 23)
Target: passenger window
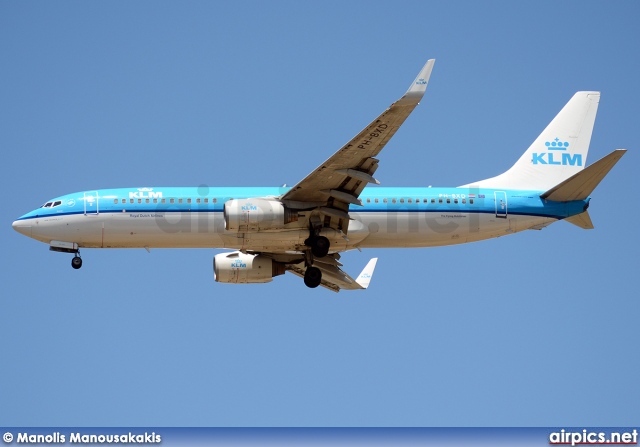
(146, 200)
(155, 200)
(385, 200)
(455, 200)
(179, 200)
(130, 200)
(433, 200)
(115, 201)
(188, 200)
(215, 200)
(393, 200)
(448, 200)
(198, 200)
(464, 200)
(164, 200)
(471, 201)
(172, 200)
(439, 200)
(376, 200)
(139, 200)
(410, 201)
(124, 200)
(368, 200)
(401, 200)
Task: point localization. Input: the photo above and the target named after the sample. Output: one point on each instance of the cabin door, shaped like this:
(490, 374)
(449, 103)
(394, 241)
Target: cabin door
(91, 203)
(501, 204)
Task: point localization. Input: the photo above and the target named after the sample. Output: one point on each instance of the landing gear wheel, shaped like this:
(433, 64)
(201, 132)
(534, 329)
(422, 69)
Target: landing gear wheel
(312, 277)
(76, 262)
(319, 246)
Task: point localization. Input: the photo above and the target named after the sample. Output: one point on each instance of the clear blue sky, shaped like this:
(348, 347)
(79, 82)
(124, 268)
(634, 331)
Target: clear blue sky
(539, 328)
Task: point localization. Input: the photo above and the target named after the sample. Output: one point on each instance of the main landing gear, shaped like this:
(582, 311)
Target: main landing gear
(319, 248)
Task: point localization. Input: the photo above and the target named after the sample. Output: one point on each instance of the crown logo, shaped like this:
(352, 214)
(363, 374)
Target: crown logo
(557, 145)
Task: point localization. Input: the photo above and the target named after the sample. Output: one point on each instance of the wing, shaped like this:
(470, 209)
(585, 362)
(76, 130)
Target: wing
(333, 278)
(338, 182)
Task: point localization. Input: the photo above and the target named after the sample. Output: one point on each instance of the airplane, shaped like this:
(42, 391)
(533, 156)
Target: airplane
(304, 228)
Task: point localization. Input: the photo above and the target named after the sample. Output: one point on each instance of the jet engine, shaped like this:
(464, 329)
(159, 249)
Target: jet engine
(244, 215)
(244, 268)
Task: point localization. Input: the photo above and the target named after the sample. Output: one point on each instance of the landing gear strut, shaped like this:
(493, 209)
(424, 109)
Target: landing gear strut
(68, 247)
(318, 248)
(76, 262)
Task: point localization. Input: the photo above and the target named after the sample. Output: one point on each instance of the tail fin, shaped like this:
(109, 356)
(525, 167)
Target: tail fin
(558, 153)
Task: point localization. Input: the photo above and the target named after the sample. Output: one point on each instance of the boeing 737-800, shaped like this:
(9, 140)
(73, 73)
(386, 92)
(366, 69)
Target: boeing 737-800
(303, 229)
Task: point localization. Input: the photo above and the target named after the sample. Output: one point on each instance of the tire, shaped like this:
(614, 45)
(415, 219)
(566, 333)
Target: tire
(312, 277)
(320, 246)
(76, 262)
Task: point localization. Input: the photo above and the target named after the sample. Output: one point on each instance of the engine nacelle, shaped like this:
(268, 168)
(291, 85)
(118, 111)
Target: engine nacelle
(243, 215)
(243, 268)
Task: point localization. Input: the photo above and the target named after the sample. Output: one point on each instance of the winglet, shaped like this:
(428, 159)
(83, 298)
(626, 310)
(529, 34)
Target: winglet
(419, 85)
(364, 278)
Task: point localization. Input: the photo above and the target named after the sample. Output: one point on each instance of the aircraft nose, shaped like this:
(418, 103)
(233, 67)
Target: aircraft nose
(22, 227)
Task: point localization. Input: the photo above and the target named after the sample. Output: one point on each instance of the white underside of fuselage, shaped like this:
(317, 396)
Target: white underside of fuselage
(206, 230)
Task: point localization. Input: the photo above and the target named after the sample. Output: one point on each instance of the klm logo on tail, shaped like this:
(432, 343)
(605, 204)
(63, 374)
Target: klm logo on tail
(554, 156)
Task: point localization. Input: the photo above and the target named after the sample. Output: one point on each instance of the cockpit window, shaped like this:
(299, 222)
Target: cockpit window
(52, 204)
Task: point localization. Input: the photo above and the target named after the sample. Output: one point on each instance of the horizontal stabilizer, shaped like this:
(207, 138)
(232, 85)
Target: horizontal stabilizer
(582, 220)
(580, 186)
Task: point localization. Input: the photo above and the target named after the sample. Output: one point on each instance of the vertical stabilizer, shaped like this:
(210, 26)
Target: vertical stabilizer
(558, 153)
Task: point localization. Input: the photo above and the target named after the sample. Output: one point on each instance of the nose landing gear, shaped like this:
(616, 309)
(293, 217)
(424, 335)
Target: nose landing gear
(68, 247)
